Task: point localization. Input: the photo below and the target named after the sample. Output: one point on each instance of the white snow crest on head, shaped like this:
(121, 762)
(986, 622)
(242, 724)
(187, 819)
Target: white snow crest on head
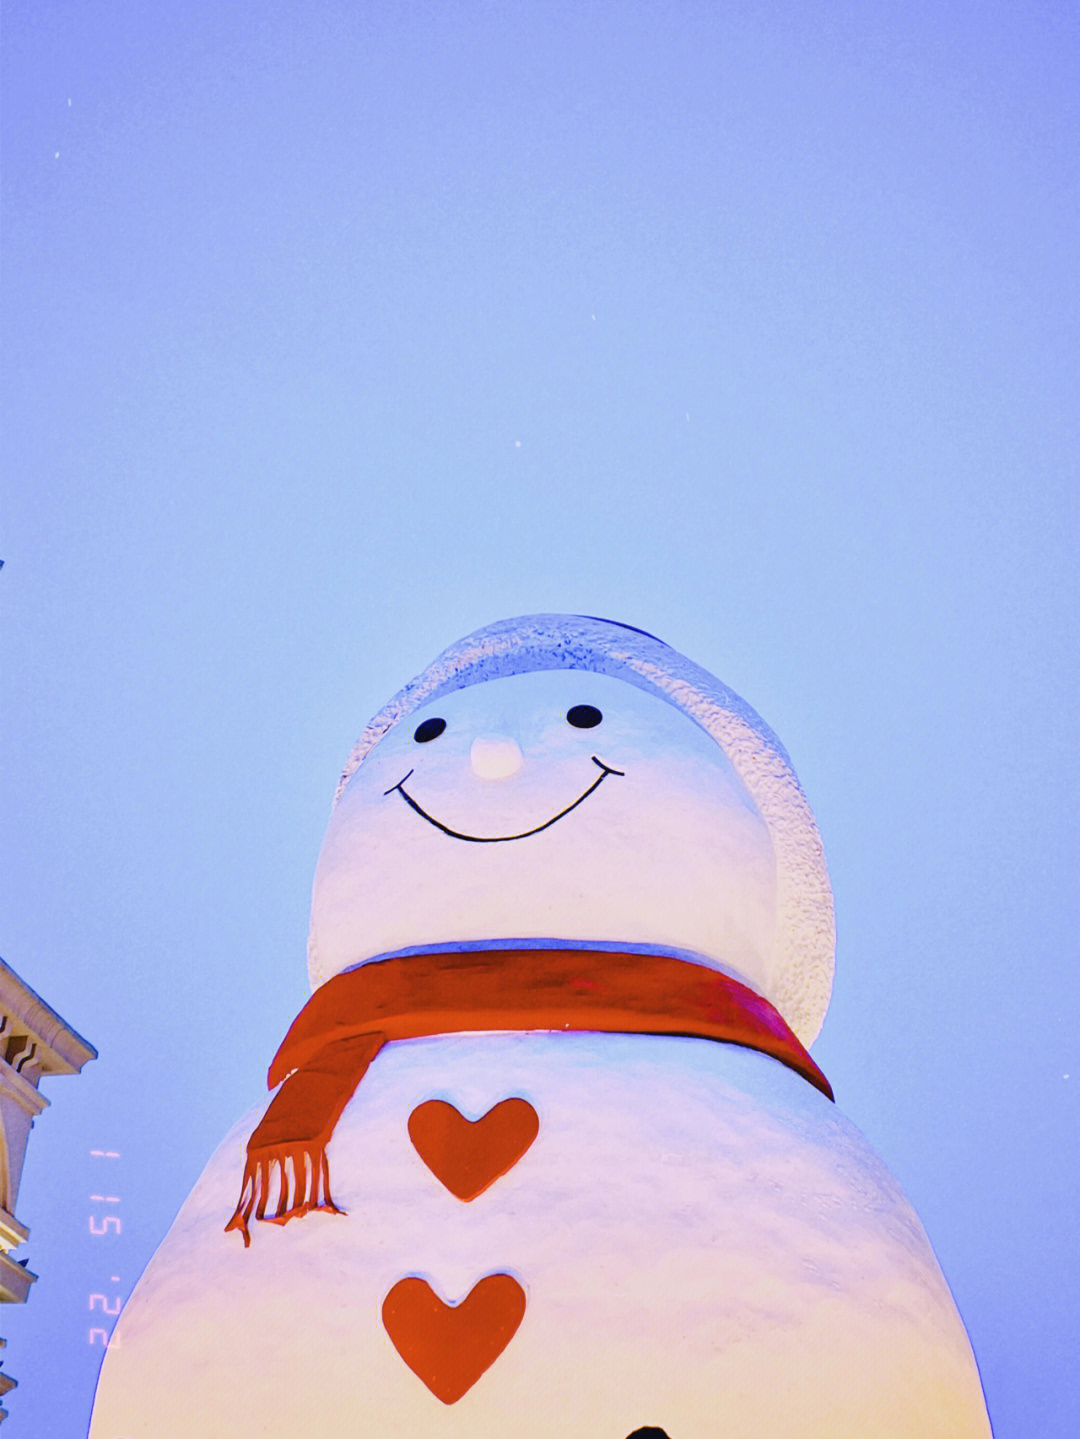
(801, 970)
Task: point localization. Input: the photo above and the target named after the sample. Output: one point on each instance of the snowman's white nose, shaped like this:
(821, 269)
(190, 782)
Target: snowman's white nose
(495, 756)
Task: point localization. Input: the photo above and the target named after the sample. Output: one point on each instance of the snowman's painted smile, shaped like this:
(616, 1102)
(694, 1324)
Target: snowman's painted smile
(605, 770)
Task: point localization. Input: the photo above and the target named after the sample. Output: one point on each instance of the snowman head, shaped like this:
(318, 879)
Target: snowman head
(559, 780)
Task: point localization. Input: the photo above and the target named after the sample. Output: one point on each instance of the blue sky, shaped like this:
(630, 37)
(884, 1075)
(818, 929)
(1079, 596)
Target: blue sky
(335, 331)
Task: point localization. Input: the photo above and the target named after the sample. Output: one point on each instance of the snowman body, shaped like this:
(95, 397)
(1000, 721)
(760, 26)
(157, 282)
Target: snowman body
(560, 1232)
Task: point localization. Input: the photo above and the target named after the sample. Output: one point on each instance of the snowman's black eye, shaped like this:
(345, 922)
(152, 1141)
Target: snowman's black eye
(429, 729)
(649, 1432)
(584, 716)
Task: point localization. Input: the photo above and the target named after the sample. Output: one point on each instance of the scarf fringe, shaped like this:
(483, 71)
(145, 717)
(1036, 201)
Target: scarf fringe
(303, 1184)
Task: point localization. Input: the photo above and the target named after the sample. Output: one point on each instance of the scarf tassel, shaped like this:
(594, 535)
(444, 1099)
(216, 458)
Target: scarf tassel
(303, 1184)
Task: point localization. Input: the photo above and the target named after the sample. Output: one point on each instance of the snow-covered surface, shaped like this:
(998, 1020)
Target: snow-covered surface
(801, 965)
(705, 1243)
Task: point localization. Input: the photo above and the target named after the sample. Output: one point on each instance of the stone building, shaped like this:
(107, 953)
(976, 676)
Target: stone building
(34, 1041)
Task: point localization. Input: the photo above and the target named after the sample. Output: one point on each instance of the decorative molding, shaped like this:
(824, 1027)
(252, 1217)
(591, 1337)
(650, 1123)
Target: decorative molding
(57, 1048)
(12, 1232)
(15, 1281)
(22, 1090)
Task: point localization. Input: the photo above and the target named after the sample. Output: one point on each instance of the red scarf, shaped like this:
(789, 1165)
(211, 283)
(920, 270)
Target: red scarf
(347, 1021)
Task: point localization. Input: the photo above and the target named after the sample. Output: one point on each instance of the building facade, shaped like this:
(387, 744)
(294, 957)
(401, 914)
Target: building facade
(34, 1041)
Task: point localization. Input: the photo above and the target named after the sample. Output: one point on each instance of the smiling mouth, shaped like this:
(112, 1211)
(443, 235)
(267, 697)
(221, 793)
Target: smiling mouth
(605, 770)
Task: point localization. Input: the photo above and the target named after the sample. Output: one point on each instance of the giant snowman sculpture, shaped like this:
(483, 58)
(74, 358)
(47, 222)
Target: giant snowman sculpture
(547, 1154)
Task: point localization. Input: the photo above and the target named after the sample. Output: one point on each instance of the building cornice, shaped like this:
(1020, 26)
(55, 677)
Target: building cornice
(58, 1048)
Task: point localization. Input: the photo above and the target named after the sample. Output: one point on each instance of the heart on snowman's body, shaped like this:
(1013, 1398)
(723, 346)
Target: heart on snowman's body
(449, 1346)
(469, 1155)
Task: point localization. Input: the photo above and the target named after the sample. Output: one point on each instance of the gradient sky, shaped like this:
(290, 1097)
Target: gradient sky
(333, 331)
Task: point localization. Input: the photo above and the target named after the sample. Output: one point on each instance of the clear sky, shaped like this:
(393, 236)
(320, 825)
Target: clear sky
(333, 331)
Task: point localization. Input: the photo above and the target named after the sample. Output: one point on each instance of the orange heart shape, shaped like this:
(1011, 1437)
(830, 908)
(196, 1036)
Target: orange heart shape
(469, 1155)
(449, 1346)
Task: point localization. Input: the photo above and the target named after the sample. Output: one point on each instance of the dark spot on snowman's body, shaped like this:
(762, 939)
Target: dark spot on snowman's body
(399, 788)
